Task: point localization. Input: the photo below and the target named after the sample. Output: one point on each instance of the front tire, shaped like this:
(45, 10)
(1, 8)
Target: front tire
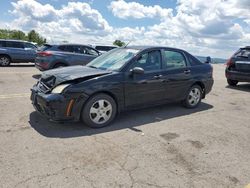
(232, 82)
(4, 61)
(99, 111)
(193, 97)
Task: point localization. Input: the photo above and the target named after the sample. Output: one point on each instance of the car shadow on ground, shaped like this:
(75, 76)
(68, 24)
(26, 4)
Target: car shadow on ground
(240, 87)
(127, 120)
(36, 76)
(21, 65)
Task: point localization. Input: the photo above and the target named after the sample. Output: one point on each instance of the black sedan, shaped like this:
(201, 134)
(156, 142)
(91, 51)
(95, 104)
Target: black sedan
(122, 79)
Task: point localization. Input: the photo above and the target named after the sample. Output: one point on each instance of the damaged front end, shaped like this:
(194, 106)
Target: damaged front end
(52, 96)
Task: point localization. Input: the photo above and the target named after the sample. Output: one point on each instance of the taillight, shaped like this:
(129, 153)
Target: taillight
(229, 62)
(44, 54)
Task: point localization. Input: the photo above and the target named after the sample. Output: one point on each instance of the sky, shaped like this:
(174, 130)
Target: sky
(213, 28)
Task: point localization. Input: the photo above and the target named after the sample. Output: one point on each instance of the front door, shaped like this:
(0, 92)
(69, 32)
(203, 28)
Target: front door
(146, 88)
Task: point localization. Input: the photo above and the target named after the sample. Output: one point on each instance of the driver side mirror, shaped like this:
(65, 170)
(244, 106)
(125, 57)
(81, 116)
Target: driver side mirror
(137, 70)
(208, 60)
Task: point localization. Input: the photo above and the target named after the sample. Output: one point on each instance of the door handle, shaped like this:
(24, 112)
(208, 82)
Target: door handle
(187, 71)
(157, 76)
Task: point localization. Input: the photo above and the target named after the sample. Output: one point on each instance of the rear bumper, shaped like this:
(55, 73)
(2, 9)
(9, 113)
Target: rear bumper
(42, 66)
(236, 75)
(57, 107)
(208, 85)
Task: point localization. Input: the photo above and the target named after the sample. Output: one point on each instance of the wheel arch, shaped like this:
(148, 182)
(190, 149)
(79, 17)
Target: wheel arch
(107, 93)
(202, 85)
(102, 92)
(6, 55)
(58, 63)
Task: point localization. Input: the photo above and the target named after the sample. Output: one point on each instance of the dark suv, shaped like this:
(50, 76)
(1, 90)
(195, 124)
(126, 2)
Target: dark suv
(16, 51)
(238, 67)
(54, 56)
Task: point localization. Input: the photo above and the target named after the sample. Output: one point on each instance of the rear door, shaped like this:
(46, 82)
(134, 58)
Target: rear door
(242, 60)
(16, 51)
(177, 74)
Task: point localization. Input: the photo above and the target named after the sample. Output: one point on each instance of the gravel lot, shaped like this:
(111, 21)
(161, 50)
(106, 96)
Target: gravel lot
(166, 146)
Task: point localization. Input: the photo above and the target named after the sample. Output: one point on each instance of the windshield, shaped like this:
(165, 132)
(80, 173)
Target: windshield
(114, 59)
(243, 53)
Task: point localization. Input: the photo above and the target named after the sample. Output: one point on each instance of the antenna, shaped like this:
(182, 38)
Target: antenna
(126, 44)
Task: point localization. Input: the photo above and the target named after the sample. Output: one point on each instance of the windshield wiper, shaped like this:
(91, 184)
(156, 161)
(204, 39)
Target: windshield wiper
(91, 66)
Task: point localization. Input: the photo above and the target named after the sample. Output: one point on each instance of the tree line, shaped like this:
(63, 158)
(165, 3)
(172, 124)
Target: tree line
(34, 36)
(31, 36)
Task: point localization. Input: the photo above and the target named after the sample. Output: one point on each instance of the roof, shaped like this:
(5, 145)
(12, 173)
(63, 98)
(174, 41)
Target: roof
(66, 44)
(12, 40)
(147, 47)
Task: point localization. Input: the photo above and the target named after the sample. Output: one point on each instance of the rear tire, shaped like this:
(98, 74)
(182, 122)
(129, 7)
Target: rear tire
(58, 65)
(232, 82)
(99, 111)
(193, 97)
(4, 61)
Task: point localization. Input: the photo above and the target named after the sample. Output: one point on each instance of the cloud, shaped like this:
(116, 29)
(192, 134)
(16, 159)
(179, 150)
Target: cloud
(34, 10)
(71, 18)
(136, 10)
(213, 28)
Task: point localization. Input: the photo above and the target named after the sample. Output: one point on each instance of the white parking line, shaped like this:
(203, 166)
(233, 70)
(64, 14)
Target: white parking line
(11, 96)
(19, 72)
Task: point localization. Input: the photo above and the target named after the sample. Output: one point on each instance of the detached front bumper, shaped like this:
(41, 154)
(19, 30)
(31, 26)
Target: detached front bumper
(58, 107)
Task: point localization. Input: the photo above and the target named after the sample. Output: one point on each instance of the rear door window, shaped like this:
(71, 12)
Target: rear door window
(193, 61)
(12, 44)
(173, 60)
(67, 48)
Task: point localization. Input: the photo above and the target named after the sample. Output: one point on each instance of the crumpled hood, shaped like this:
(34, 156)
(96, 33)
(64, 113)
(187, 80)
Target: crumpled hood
(65, 74)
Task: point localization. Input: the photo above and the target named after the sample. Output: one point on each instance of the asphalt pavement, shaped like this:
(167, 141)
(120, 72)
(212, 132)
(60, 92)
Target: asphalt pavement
(164, 146)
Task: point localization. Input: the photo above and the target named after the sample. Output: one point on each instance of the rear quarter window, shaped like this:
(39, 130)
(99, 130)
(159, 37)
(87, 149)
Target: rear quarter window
(243, 53)
(194, 61)
(29, 45)
(173, 60)
(45, 47)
